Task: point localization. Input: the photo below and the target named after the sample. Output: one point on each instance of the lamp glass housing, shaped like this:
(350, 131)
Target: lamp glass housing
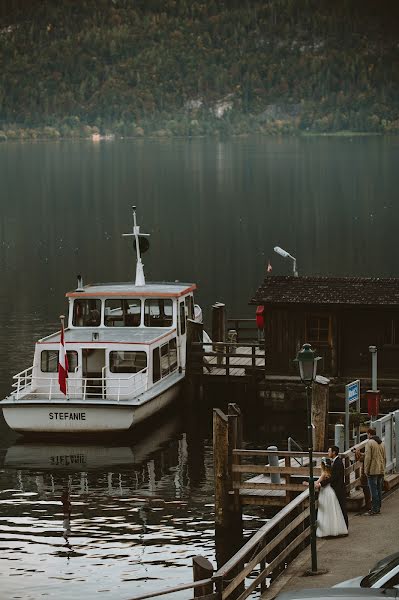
(307, 362)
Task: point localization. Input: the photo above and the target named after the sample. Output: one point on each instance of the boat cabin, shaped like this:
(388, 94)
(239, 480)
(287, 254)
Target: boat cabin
(120, 339)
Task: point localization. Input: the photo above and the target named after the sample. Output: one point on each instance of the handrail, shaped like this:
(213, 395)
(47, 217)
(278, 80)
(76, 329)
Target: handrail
(265, 453)
(222, 344)
(78, 386)
(260, 534)
(178, 588)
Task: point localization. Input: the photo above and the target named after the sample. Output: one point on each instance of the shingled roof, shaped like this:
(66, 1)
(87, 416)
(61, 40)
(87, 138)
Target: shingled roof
(328, 290)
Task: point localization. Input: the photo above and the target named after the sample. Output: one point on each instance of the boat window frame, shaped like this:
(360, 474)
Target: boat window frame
(123, 300)
(87, 300)
(73, 365)
(157, 373)
(160, 323)
(120, 372)
(182, 317)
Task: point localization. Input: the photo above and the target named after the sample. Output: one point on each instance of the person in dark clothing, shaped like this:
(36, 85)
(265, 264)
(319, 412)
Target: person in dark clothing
(337, 480)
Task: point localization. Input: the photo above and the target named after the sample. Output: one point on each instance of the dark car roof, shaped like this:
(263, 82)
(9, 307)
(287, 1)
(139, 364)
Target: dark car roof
(339, 594)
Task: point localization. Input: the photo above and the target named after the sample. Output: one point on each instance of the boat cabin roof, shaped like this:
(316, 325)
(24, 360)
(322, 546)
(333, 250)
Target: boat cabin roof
(139, 335)
(128, 289)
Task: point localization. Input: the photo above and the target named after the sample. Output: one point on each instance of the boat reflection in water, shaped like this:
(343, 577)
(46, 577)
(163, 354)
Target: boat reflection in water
(102, 469)
(142, 509)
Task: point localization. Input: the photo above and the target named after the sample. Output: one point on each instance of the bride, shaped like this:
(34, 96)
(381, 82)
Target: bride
(330, 520)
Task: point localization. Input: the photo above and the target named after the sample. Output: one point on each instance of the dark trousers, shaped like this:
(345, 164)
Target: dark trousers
(375, 485)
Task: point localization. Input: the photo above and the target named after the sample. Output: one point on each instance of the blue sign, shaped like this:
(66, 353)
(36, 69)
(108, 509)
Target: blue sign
(352, 391)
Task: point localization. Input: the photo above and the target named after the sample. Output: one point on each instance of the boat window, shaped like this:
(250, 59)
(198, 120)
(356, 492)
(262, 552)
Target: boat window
(122, 312)
(182, 318)
(127, 362)
(49, 361)
(190, 307)
(164, 359)
(86, 312)
(172, 354)
(156, 365)
(158, 312)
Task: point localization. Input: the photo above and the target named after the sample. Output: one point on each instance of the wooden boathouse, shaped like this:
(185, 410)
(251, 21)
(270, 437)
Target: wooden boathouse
(340, 316)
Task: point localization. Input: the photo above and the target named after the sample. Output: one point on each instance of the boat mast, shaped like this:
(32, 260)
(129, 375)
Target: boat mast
(140, 279)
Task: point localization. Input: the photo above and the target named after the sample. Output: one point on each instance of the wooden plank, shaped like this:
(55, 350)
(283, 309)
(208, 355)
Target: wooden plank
(273, 501)
(268, 469)
(281, 453)
(248, 485)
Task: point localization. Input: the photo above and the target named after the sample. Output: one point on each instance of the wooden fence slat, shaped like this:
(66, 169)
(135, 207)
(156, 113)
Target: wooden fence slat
(253, 485)
(282, 453)
(267, 469)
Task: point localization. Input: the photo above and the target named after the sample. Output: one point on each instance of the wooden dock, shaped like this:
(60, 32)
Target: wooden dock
(226, 360)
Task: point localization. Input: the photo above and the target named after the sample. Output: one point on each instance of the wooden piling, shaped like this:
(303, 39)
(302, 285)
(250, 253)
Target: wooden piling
(202, 569)
(221, 466)
(218, 326)
(194, 334)
(320, 404)
(235, 441)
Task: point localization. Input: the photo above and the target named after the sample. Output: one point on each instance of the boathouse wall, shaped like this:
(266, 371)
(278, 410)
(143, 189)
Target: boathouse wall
(344, 347)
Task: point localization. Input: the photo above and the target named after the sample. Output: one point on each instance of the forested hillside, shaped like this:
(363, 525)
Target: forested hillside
(195, 67)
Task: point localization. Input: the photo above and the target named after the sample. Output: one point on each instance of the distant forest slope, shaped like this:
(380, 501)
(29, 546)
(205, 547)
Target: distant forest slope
(194, 67)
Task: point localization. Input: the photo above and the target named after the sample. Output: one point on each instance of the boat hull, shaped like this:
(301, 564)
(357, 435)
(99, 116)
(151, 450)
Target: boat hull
(71, 417)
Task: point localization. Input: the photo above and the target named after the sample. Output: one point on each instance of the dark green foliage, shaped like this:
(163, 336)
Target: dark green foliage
(162, 66)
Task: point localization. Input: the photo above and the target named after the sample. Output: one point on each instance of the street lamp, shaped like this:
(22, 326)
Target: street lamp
(286, 254)
(307, 362)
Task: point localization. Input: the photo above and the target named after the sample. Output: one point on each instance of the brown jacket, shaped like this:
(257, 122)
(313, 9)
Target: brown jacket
(375, 458)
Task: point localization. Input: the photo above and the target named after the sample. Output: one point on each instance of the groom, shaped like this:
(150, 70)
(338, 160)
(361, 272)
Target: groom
(337, 480)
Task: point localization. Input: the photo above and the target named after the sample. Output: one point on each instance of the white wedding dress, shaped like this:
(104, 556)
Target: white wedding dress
(330, 520)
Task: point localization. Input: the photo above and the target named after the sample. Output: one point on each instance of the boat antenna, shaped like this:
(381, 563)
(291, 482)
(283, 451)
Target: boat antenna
(140, 279)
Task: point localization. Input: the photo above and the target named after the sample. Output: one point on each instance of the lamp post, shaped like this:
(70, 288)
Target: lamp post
(286, 254)
(307, 362)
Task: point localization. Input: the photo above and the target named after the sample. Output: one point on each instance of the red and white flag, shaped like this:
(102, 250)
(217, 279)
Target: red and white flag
(269, 267)
(62, 362)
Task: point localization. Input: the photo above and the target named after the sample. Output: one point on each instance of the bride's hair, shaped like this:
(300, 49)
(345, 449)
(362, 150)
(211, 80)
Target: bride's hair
(326, 469)
(326, 466)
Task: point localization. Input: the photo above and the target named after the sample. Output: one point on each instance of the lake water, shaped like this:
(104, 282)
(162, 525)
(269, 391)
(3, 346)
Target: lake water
(143, 507)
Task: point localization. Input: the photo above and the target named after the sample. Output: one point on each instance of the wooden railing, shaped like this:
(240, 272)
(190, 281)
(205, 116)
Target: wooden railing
(267, 552)
(225, 356)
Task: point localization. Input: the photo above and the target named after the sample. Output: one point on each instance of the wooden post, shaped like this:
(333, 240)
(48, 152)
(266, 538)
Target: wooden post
(194, 334)
(288, 493)
(235, 441)
(218, 327)
(202, 569)
(321, 388)
(221, 466)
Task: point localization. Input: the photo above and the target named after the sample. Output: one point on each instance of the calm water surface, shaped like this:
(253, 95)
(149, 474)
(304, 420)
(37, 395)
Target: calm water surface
(143, 507)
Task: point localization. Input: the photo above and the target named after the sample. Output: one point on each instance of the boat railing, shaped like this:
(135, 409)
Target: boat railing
(82, 388)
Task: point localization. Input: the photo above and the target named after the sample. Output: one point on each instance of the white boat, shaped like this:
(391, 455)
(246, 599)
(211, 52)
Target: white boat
(126, 350)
